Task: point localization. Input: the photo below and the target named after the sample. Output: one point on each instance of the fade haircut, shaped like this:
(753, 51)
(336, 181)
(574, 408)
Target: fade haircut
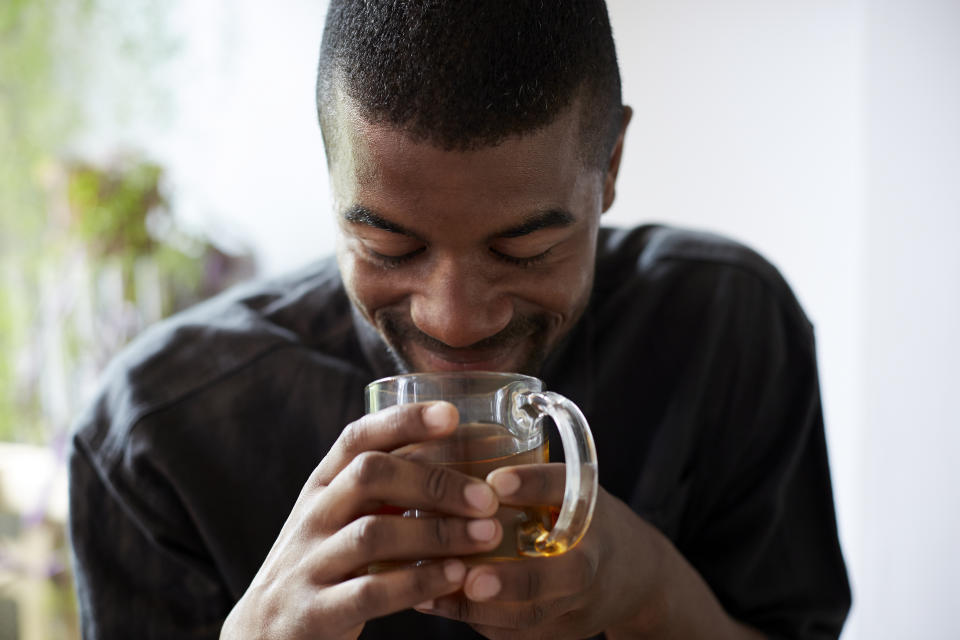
(466, 74)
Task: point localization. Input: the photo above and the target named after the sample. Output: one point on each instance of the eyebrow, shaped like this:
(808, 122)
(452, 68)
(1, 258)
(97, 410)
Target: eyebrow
(358, 214)
(542, 220)
(551, 218)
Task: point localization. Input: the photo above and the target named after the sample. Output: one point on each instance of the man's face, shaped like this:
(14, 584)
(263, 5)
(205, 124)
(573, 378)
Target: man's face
(480, 259)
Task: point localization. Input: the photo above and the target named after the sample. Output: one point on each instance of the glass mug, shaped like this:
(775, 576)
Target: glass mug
(501, 424)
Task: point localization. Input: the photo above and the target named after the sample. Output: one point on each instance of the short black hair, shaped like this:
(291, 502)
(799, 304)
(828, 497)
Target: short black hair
(465, 74)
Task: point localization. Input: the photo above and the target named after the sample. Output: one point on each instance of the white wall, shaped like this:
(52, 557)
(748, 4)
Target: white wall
(246, 144)
(823, 133)
(909, 343)
(748, 122)
(827, 134)
(239, 137)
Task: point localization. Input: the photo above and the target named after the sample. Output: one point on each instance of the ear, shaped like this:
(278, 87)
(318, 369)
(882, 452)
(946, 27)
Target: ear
(610, 179)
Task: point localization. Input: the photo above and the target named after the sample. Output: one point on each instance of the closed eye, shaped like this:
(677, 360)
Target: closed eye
(394, 261)
(527, 261)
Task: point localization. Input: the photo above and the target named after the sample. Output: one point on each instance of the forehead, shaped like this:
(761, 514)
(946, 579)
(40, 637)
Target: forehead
(384, 168)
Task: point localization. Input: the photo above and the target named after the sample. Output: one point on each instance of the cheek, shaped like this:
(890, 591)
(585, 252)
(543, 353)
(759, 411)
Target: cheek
(561, 294)
(566, 289)
(564, 292)
(368, 286)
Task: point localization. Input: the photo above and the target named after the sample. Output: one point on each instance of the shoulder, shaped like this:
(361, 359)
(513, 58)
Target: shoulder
(688, 272)
(207, 344)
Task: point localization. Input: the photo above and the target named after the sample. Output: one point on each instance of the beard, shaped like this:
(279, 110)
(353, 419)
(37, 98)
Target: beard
(528, 332)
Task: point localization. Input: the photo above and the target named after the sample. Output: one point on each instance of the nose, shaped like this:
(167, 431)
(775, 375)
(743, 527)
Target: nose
(457, 304)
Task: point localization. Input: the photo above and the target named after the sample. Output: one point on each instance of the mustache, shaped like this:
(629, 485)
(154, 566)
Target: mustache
(399, 330)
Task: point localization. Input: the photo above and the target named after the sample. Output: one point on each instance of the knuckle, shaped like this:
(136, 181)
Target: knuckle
(317, 478)
(370, 596)
(396, 420)
(532, 585)
(422, 583)
(463, 609)
(437, 483)
(355, 437)
(586, 568)
(530, 616)
(317, 516)
(366, 533)
(544, 481)
(537, 613)
(441, 532)
(370, 467)
(577, 620)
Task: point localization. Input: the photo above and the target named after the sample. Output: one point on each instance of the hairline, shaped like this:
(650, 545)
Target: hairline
(332, 91)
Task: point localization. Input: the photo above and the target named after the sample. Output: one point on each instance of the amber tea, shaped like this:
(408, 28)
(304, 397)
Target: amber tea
(502, 418)
(476, 449)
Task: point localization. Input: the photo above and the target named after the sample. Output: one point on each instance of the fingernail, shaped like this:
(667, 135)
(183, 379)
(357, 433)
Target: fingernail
(505, 483)
(479, 496)
(454, 570)
(439, 416)
(484, 587)
(425, 606)
(482, 530)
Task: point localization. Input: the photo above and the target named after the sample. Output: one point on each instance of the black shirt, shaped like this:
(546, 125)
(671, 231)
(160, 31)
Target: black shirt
(693, 363)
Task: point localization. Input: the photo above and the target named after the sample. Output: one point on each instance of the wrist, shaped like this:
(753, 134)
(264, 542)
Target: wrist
(652, 614)
(680, 604)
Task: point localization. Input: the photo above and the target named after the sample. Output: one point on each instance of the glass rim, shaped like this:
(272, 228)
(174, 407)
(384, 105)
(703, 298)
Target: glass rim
(446, 375)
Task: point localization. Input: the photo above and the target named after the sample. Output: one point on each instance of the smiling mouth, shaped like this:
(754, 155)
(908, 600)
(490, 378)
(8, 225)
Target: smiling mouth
(461, 359)
(520, 346)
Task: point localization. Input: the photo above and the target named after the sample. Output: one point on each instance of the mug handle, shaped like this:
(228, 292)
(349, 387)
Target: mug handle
(580, 492)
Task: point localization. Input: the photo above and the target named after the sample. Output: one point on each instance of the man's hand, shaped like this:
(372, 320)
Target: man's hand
(623, 578)
(313, 583)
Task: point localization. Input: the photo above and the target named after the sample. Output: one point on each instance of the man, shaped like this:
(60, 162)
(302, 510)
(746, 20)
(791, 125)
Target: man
(226, 482)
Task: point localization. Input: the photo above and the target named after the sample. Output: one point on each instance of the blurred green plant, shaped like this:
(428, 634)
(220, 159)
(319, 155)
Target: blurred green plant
(120, 215)
(89, 251)
(34, 120)
(36, 116)
(110, 207)
(61, 213)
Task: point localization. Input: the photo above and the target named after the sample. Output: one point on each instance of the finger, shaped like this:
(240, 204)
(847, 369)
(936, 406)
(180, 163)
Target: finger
(375, 478)
(564, 627)
(385, 431)
(353, 602)
(373, 539)
(501, 616)
(533, 579)
(529, 484)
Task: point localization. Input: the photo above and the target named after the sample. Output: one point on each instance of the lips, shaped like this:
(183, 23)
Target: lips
(425, 359)
(521, 346)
